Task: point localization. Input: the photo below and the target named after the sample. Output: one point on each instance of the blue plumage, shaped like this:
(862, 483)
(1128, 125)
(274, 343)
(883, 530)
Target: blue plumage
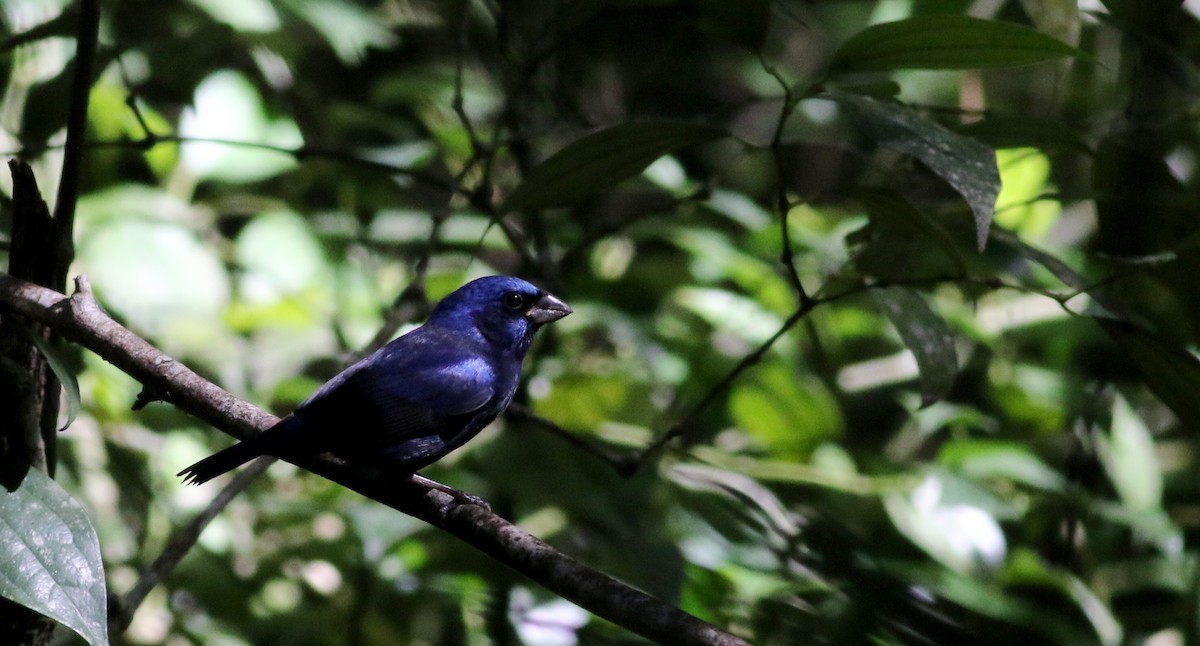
(420, 396)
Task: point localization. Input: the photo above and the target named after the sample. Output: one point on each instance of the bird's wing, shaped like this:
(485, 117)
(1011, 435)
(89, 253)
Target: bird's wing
(404, 391)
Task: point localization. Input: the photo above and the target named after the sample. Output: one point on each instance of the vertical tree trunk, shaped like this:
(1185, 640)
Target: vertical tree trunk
(28, 390)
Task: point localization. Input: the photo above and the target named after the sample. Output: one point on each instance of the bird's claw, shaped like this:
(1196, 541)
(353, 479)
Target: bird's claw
(464, 498)
(450, 494)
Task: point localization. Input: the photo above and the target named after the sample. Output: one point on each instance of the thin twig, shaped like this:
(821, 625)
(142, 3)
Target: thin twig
(751, 359)
(782, 203)
(624, 464)
(180, 543)
(77, 111)
(298, 153)
(812, 302)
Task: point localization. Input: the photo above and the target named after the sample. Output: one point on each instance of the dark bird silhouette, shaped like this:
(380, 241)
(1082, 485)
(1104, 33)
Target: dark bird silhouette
(420, 396)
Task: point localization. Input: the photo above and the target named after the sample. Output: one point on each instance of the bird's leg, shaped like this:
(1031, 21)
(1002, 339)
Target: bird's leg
(461, 497)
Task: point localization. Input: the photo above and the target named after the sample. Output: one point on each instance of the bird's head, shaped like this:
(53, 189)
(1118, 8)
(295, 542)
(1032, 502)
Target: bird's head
(504, 309)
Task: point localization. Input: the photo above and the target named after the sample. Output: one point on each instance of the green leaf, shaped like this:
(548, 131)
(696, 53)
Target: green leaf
(965, 164)
(1171, 372)
(963, 536)
(1026, 132)
(50, 557)
(926, 335)
(892, 209)
(987, 459)
(65, 375)
(788, 413)
(1127, 453)
(947, 42)
(603, 159)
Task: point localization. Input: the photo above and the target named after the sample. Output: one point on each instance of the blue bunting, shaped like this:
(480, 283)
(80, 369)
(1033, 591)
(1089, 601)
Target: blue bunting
(419, 397)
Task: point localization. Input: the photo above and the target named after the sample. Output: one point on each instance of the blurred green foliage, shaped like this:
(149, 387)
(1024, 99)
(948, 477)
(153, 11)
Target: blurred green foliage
(963, 428)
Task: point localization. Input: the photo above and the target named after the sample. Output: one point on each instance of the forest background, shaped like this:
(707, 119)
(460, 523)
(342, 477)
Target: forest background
(885, 316)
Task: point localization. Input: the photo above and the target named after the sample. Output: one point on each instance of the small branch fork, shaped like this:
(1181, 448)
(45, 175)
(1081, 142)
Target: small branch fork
(81, 319)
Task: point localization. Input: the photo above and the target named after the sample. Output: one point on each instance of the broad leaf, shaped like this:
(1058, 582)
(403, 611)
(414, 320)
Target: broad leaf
(1171, 372)
(890, 208)
(1127, 453)
(926, 335)
(1027, 132)
(603, 159)
(50, 557)
(947, 42)
(967, 165)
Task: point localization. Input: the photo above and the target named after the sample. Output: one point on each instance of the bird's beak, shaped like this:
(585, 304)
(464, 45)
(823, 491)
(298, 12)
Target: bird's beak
(547, 309)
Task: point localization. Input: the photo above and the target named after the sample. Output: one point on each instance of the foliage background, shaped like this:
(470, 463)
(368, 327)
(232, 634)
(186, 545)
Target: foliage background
(926, 443)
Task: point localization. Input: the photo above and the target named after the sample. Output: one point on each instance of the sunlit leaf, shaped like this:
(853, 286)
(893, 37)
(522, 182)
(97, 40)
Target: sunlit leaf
(963, 536)
(1127, 453)
(153, 272)
(965, 164)
(227, 111)
(350, 29)
(789, 414)
(986, 459)
(926, 335)
(1025, 176)
(279, 256)
(603, 159)
(50, 557)
(947, 42)
(243, 15)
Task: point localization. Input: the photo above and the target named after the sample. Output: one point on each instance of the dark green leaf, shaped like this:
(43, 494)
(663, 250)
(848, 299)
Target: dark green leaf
(603, 159)
(1171, 372)
(1026, 132)
(50, 557)
(947, 42)
(743, 22)
(967, 165)
(892, 209)
(926, 335)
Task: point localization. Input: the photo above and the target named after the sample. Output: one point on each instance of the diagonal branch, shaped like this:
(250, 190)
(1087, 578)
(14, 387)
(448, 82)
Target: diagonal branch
(81, 319)
(179, 545)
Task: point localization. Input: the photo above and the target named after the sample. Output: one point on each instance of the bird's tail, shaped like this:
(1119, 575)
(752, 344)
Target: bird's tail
(264, 443)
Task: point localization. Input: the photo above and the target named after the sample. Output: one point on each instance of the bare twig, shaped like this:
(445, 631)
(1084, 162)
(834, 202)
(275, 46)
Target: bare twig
(624, 464)
(782, 203)
(748, 361)
(180, 543)
(80, 318)
(300, 154)
(68, 186)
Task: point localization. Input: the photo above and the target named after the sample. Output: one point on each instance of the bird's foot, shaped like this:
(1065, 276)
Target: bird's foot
(460, 497)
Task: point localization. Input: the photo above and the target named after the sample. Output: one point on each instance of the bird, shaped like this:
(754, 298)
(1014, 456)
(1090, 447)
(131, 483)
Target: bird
(417, 398)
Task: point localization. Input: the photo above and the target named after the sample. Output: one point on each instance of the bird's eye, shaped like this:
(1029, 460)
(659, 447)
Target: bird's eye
(514, 301)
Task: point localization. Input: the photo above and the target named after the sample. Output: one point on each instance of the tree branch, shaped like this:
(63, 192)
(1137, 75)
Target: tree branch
(81, 319)
(68, 186)
(180, 543)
